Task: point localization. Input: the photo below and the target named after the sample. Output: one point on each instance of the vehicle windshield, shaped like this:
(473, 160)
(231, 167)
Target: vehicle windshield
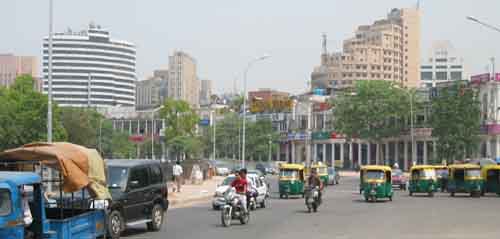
(427, 173)
(117, 177)
(5, 202)
(397, 172)
(442, 172)
(321, 170)
(374, 175)
(473, 173)
(288, 173)
(227, 181)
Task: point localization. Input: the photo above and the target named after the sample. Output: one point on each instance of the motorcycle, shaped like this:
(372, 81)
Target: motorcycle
(312, 199)
(233, 209)
(252, 200)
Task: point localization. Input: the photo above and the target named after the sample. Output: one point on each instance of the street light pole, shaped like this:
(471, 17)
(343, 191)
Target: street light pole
(411, 128)
(214, 134)
(245, 104)
(494, 28)
(49, 103)
(270, 144)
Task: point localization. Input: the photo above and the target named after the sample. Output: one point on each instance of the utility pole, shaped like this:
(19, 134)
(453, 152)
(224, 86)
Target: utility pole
(49, 103)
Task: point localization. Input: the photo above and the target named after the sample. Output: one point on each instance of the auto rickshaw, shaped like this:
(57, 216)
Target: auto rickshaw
(465, 178)
(375, 182)
(441, 176)
(291, 180)
(491, 177)
(321, 169)
(423, 180)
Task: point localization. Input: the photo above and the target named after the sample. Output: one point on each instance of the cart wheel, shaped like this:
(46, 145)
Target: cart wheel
(156, 217)
(115, 224)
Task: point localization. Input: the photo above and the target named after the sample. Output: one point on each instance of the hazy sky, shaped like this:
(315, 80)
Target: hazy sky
(223, 35)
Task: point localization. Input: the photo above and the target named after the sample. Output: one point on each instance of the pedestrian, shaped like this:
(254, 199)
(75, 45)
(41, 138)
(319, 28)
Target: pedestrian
(177, 171)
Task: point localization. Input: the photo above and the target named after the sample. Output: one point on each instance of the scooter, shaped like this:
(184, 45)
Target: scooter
(312, 199)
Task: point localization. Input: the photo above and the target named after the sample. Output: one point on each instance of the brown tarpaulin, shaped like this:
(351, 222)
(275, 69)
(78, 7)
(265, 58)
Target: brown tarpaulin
(72, 161)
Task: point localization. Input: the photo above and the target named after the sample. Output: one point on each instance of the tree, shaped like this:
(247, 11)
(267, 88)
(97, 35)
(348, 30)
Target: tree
(82, 125)
(456, 121)
(187, 145)
(180, 119)
(374, 111)
(23, 115)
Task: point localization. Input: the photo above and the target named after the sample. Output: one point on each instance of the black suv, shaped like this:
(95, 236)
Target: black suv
(140, 194)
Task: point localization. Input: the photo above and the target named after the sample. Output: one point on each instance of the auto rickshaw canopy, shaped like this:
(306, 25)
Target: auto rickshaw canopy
(79, 167)
(485, 169)
(292, 166)
(20, 178)
(422, 167)
(376, 167)
(454, 167)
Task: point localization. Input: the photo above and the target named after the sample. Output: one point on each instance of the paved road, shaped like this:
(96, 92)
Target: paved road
(344, 215)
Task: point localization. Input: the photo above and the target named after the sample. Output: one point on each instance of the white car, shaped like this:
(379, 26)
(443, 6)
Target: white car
(257, 184)
(222, 169)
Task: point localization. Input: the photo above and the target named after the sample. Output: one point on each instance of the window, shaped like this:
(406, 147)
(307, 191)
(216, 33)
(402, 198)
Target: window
(441, 67)
(456, 67)
(426, 75)
(456, 75)
(441, 76)
(156, 176)
(441, 60)
(139, 175)
(5, 202)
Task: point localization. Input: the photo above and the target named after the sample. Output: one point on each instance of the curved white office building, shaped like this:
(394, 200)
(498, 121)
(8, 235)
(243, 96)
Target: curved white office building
(89, 69)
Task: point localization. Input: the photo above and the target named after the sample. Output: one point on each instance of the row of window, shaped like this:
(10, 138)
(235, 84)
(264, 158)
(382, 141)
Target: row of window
(88, 53)
(93, 102)
(92, 65)
(131, 75)
(95, 47)
(75, 58)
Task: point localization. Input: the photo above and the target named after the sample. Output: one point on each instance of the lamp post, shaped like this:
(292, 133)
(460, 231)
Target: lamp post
(245, 103)
(49, 78)
(473, 19)
(270, 149)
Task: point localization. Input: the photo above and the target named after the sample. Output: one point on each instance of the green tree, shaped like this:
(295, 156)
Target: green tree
(180, 119)
(82, 125)
(455, 119)
(23, 115)
(373, 111)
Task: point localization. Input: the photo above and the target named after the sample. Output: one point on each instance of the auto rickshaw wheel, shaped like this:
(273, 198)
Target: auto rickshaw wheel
(281, 196)
(390, 198)
(411, 193)
(452, 194)
(431, 194)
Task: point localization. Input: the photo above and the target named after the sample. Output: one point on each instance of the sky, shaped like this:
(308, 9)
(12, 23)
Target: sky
(224, 35)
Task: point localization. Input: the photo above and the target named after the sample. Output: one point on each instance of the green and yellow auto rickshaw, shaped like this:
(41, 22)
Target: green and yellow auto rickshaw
(423, 180)
(465, 178)
(375, 182)
(441, 177)
(491, 177)
(321, 169)
(291, 180)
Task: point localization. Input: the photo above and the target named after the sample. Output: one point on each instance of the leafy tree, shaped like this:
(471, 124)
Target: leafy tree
(82, 125)
(455, 119)
(187, 145)
(373, 111)
(180, 119)
(23, 115)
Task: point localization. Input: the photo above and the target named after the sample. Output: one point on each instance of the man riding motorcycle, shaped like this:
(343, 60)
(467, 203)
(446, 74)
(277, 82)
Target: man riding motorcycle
(240, 184)
(314, 181)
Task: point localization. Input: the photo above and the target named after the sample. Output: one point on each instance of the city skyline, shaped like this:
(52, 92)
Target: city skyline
(235, 32)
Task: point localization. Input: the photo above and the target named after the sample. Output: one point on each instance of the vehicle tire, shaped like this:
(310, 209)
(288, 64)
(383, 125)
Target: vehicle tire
(226, 217)
(156, 217)
(263, 203)
(431, 194)
(482, 193)
(315, 207)
(115, 224)
(245, 218)
(281, 196)
(215, 207)
(411, 193)
(390, 198)
(452, 194)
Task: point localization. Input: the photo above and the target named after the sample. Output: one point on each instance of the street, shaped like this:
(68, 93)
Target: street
(343, 214)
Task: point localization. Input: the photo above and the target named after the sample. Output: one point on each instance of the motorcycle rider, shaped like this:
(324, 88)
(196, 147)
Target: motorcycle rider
(314, 181)
(240, 184)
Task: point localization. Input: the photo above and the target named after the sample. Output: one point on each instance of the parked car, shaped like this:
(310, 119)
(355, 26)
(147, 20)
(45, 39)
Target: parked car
(333, 176)
(140, 194)
(399, 179)
(222, 169)
(262, 192)
(266, 168)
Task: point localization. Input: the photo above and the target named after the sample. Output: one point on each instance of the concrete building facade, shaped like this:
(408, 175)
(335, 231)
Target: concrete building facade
(442, 64)
(12, 66)
(91, 69)
(183, 83)
(388, 49)
(151, 93)
(205, 92)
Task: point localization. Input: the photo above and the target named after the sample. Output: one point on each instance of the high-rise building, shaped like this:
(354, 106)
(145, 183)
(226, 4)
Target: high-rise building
(12, 66)
(183, 83)
(89, 68)
(205, 92)
(388, 49)
(150, 93)
(442, 64)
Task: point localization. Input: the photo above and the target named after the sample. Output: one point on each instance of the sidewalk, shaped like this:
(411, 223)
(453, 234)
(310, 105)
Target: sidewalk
(193, 193)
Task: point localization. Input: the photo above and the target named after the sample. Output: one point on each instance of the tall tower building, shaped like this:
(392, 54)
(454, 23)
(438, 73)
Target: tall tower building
(89, 68)
(183, 83)
(388, 49)
(12, 66)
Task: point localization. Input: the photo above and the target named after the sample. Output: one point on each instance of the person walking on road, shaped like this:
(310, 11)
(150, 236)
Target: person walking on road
(177, 171)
